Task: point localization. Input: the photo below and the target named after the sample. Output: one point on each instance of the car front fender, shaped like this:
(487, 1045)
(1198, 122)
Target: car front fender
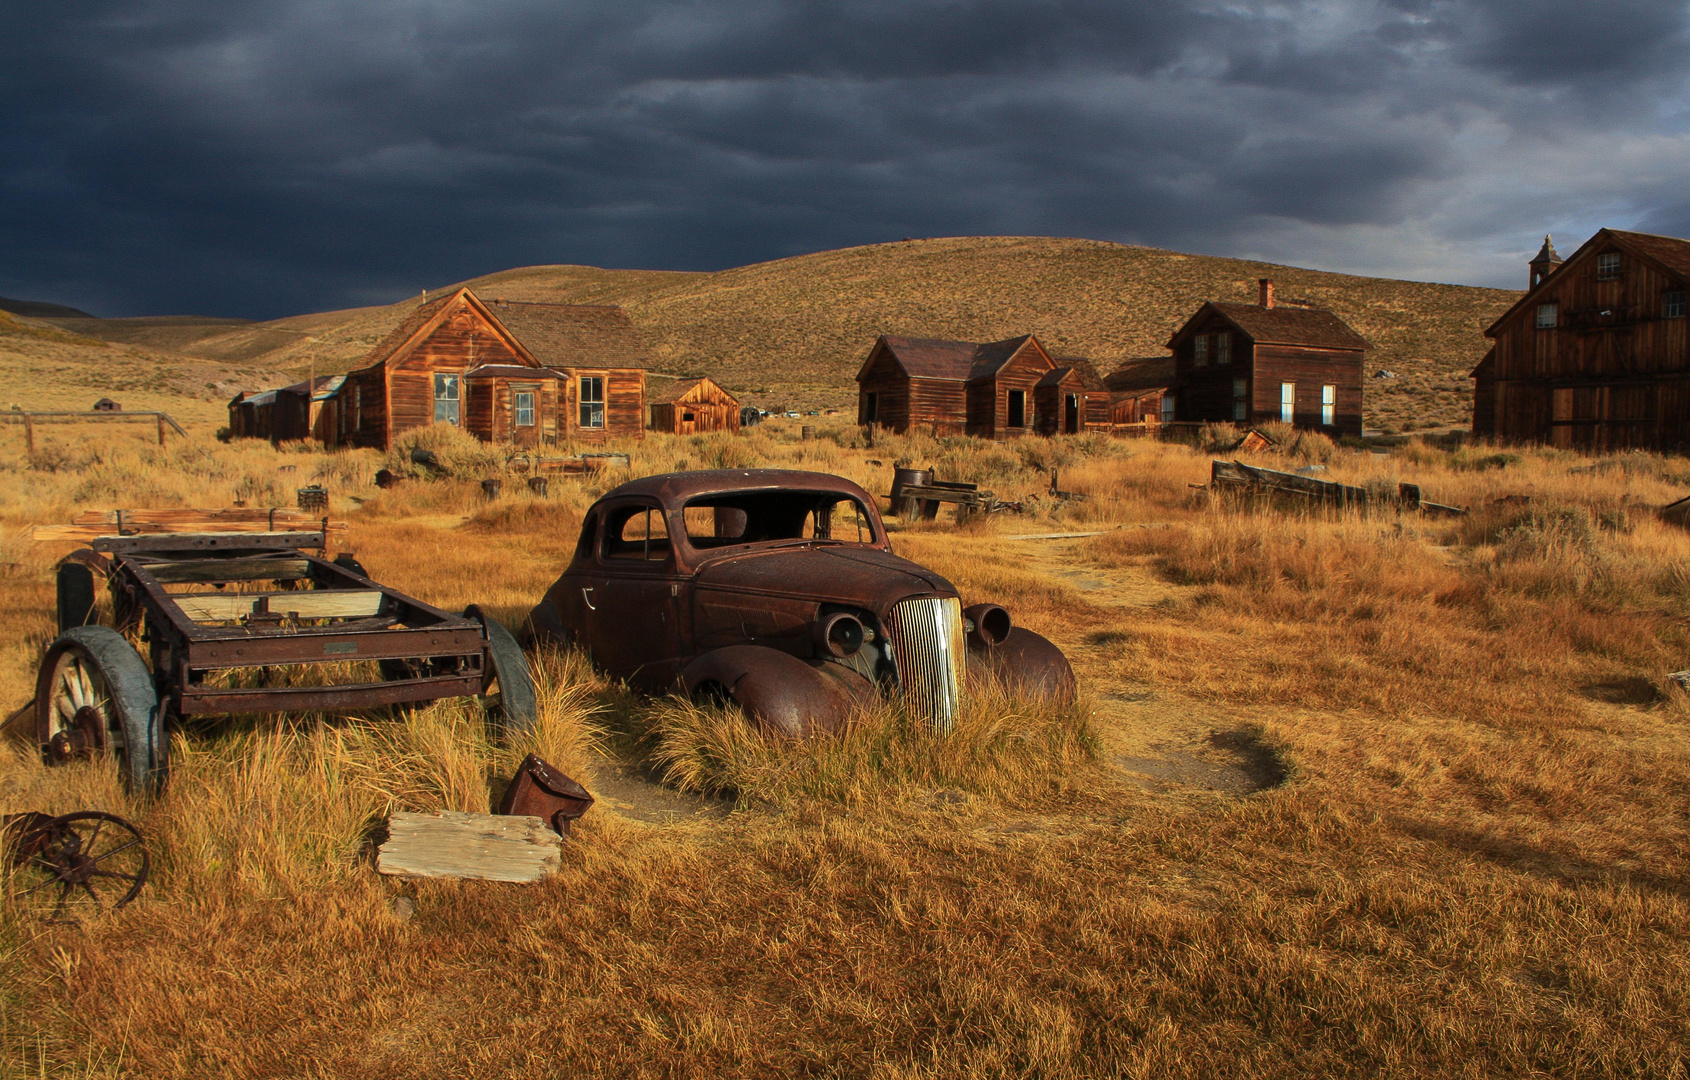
(1026, 663)
(783, 695)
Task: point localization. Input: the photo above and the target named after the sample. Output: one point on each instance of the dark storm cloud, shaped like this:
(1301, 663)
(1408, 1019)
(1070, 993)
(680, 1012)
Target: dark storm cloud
(282, 155)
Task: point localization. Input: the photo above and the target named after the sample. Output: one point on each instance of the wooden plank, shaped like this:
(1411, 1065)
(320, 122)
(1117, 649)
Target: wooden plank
(311, 604)
(455, 844)
(230, 570)
(94, 532)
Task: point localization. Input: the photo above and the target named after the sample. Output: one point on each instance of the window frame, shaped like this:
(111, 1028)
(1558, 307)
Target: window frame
(1609, 266)
(1329, 405)
(1672, 304)
(1223, 349)
(532, 393)
(1241, 399)
(586, 418)
(1015, 404)
(452, 404)
(1287, 402)
(1200, 351)
(1548, 316)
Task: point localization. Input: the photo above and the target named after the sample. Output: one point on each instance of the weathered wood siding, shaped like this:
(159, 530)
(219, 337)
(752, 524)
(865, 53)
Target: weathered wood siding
(462, 341)
(1206, 389)
(1092, 407)
(1610, 374)
(624, 405)
(882, 377)
(988, 399)
(705, 407)
(1310, 370)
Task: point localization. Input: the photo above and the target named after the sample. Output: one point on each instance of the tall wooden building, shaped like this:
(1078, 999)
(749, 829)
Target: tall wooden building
(1251, 363)
(1596, 355)
(505, 372)
(691, 406)
(953, 387)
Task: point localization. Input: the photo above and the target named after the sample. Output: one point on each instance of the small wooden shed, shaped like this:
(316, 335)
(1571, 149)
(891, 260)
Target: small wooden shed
(1071, 399)
(953, 387)
(1141, 391)
(691, 406)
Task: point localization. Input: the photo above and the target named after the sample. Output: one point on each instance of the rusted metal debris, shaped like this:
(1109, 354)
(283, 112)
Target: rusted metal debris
(915, 493)
(543, 791)
(1251, 479)
(262, 603)
(89, 860)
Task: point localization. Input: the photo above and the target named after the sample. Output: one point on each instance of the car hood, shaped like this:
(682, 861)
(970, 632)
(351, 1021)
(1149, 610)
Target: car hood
(863, 577)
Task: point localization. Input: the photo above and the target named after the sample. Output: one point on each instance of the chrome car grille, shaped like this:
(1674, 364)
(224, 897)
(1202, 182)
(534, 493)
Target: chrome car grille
(927, 652)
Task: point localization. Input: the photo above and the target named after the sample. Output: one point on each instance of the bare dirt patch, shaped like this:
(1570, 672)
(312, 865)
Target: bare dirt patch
(624, 789)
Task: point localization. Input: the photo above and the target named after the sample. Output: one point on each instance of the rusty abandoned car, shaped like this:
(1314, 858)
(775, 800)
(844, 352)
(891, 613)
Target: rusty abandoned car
(778, 590)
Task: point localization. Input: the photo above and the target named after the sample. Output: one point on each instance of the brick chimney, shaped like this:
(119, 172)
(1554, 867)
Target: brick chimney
(1265, 287)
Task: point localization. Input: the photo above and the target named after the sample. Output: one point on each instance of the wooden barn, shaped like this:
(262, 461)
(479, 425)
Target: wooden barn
(504, 371)
(1596, 355)
(952, 387)
(691, 406)
(1141, 391)
(1071, 399)
(1253, 363)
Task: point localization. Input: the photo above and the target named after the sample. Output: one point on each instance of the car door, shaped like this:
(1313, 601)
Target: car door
(632, 601)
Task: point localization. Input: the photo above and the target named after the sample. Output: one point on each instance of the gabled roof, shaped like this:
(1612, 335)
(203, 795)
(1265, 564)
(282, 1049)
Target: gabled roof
(952, 361)
(1141, 373)
(683, 387)
(574, 335)
(551, 335)
(1669, 253)
(1078, 366)
(1282, 324)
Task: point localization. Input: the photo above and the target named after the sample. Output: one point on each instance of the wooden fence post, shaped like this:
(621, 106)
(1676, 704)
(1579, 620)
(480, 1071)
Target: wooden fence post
(29, 432)
(161, 430)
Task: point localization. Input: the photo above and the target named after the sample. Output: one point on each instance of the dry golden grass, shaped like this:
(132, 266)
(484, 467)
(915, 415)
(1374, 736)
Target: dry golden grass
(1477, 866)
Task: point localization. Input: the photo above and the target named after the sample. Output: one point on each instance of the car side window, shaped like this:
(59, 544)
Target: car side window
(636, 533)
(589, 536)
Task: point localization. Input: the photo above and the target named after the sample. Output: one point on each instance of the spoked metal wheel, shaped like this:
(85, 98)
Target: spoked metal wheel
(517, 700)
(78, 864)
(93, 697)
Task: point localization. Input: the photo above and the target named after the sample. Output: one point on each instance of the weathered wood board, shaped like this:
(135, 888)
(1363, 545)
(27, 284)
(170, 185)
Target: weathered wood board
(313, 604)
(455, 844)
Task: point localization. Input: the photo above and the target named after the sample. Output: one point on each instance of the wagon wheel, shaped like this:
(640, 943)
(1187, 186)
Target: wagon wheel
(510, 667)
(84, 862)
(94, 695)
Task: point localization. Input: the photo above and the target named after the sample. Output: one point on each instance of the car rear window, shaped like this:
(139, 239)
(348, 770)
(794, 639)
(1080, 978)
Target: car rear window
(752, 517)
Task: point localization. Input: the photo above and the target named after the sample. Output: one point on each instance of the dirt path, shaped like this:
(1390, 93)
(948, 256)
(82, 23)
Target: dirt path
(1158, 741)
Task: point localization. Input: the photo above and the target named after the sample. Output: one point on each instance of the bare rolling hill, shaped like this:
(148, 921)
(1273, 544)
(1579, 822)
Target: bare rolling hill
(795, 330)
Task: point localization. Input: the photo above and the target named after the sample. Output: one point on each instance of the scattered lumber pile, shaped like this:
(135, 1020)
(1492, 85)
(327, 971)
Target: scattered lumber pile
(1253, 480)
(94, 524)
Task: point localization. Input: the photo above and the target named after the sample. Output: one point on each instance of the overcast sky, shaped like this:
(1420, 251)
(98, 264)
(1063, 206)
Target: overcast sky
(270, 157)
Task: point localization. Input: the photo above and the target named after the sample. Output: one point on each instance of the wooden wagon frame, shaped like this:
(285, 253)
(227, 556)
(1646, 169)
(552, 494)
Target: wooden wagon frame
(188, 598)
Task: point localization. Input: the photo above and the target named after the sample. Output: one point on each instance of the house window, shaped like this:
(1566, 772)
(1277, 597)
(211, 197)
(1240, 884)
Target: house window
(445, 398)
(1329, 405)
(1608, 266)
(1288, 402)
(1167, 408)
(1672, 304)
(1241, 399)
(1017, 409)
(871, 407)
(1200, 350)
(687, 417)
(1546, 316)
(522, 408)
(1223, 348)
(592, 401)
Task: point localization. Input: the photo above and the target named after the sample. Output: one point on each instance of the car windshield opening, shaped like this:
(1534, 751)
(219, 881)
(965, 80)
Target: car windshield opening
(754, 517)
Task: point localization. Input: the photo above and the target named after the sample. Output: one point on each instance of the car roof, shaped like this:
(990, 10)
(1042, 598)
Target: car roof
(674, 488)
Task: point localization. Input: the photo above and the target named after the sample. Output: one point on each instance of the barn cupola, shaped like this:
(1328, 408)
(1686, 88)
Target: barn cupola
(1544, 263)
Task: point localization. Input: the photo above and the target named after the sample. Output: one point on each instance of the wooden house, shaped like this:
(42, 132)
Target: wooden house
(952, 387)
(504, 371)
(1141, 391)
(250, 414)
(297, 414)
(1253, 363)
(1596, 355)
(1071, 399)
(690, 406)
